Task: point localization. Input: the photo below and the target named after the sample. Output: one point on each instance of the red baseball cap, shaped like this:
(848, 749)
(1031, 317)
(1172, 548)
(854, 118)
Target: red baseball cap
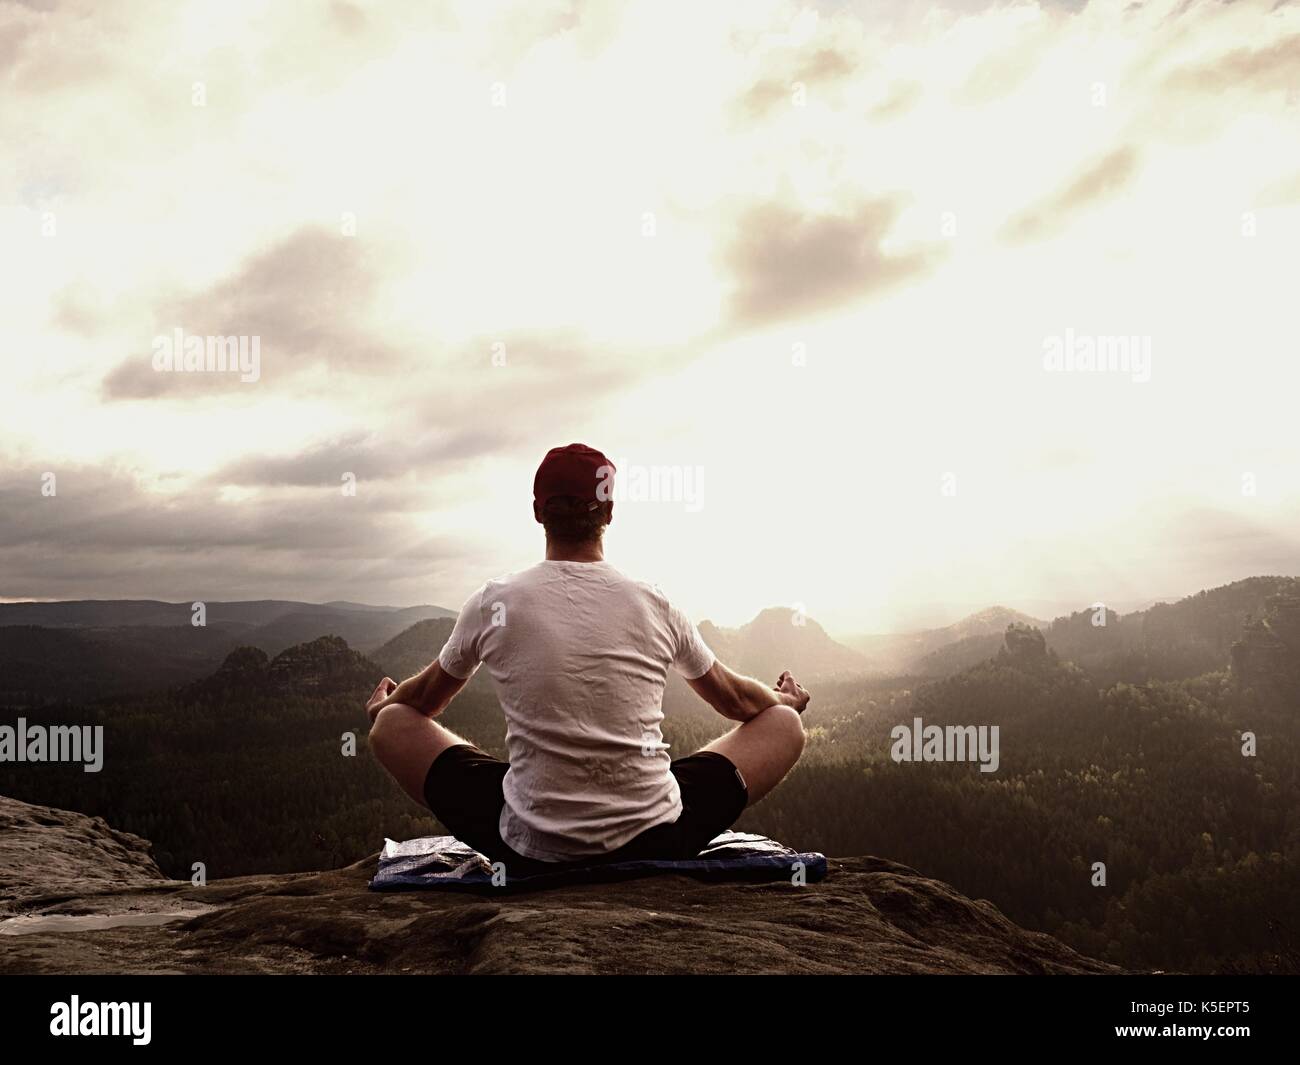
(574, 470)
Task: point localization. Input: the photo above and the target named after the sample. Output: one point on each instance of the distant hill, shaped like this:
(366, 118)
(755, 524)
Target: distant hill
(915, 652)
(89, 649)
(1168, 641)
(954, 657)
(778, 639)
(272, 624)
(365, 628)
(39, 666)
(773, 641)
(411, 650)
(324, 667)
(106, 613)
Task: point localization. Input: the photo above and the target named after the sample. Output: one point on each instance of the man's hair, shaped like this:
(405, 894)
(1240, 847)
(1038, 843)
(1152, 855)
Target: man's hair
(571, 521)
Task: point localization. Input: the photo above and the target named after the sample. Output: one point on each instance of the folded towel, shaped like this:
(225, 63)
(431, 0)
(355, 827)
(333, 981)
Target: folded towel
(446, 862)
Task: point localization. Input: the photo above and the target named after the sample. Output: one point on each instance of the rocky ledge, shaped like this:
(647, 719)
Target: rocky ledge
(76, 896)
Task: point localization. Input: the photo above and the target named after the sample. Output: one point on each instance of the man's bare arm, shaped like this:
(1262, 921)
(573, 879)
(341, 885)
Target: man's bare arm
(429, 691)
(740, 698)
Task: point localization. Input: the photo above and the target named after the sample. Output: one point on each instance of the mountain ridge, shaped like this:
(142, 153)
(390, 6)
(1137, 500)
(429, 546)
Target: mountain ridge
(98, 613)
(163, 650)
(781, 634)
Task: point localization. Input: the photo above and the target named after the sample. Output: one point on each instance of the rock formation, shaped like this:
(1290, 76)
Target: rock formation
(1267, 657)
(324, 666)
(78, 897)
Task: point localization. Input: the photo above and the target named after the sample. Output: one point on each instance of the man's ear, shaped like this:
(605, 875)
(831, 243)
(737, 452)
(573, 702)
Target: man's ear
(609, 512)
(537, 512)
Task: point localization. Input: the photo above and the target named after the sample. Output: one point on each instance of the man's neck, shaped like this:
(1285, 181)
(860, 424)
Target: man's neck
(561, 552)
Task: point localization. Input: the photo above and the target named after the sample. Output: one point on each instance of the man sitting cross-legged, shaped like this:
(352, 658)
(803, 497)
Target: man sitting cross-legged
(580, 655)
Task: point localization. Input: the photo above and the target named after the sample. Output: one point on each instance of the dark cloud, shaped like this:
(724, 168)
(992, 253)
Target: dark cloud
(289, 530)
(106, 508)
(295, 534)
(476, 410)
(1100, 180)
(786, 263)
(305, 298)
(369, 458)
(105, 535)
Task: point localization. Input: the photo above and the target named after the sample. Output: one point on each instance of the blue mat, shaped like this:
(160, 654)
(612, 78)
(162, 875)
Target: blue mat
(444, 862)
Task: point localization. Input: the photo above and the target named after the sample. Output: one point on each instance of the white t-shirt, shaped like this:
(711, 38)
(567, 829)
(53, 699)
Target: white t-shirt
(580, 654)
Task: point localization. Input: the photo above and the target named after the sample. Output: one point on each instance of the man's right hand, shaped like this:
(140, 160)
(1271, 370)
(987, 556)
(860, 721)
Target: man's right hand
(793, 694)
(379, 698)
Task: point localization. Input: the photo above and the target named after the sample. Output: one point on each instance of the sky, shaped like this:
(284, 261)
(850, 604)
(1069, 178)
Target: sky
(829, 284)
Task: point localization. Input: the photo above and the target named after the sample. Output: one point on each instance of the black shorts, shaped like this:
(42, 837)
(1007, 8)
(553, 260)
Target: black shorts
(463, 789)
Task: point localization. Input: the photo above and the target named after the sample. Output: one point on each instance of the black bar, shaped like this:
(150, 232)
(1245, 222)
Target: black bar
(382, 1015)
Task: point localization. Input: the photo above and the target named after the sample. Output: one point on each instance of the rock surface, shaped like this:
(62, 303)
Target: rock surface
(868, 916)
(46, 852)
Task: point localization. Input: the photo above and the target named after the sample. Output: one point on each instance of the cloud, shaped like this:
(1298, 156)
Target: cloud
(1101, 180)
(785, 262)
(305, 297)
(349, 18)
(47, 47)
(77, 309)
(106, 533)
(503, 294)
(1230, 545)
(105, 507)
(1282, 192)
(901, 98)
(814, 68)
(998, 75)
(368, 457)
(498, 394)
(1267, 68)
(16, 28)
